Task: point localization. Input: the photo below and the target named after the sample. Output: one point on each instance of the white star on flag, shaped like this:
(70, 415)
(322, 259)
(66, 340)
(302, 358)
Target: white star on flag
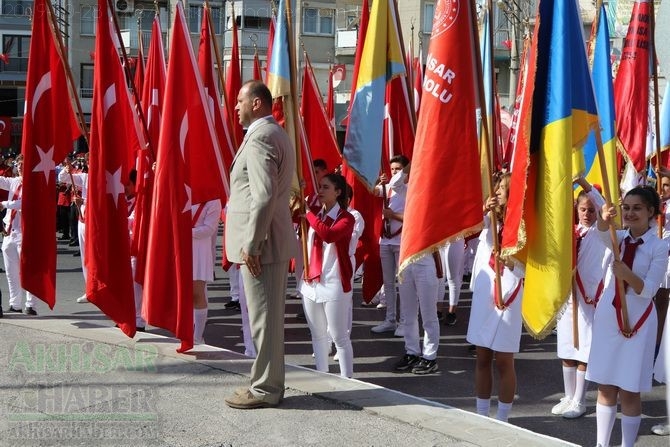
(114, 185)
(188, 205)
(46, 164)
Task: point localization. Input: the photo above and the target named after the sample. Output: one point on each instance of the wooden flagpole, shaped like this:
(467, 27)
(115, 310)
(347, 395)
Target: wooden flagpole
(219, 63)
(296, 130)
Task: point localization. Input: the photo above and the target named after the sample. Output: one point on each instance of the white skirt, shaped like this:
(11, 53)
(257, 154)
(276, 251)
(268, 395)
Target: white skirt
(616, 360)
(203, 263)
(565, 346)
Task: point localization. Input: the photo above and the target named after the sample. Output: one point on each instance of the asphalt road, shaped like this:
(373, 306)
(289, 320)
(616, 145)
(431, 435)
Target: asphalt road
(539, 373)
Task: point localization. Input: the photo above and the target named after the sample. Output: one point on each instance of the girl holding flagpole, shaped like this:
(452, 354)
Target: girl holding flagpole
(593, 258)
(495, 322)
(622, 356)
(327, 288)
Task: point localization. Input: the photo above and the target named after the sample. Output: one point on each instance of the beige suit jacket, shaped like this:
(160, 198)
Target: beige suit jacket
(258, 219)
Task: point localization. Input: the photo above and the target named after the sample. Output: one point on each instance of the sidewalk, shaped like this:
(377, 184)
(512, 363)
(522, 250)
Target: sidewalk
(74, 382)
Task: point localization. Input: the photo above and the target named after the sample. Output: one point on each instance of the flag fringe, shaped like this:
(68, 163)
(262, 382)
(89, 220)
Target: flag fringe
(520, 244)
(551, 323)
(430, 249)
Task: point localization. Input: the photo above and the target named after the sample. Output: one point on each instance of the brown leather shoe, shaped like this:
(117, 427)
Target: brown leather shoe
(241, 391)
(246, 401)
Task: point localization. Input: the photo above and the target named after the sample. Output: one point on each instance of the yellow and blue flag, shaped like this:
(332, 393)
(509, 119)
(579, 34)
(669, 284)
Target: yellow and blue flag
(381, 61)
(563, 113)
(604, 91)
(279, 70)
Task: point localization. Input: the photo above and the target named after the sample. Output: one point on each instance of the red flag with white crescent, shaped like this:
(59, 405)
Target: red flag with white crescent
(46, 142)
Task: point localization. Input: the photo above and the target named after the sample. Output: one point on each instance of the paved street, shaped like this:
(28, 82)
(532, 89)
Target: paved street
(539, 371)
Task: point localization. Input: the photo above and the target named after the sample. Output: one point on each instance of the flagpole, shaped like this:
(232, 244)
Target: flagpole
(487, 146)
(410, 74)
(615, 243)
(408, 88)
(126, 70)
(60, 48)
(296, 131)
(219, 62)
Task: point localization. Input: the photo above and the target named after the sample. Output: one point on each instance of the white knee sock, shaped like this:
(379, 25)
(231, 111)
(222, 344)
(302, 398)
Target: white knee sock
(569, 380)
(605, 417)
(503, 411)
(483, 406)
(199, 322)
(629, 428)
(580, 387)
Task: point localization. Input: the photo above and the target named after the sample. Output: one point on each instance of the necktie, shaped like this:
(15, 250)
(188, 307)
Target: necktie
(628, 257)
(316, 254)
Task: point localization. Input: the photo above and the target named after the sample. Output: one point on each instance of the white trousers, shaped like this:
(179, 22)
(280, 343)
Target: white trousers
(389, 255)
(455, 256)
(235, 279)
(11, 254)
(81, 233)
(418, 292)
(137, 291)
(331, 317)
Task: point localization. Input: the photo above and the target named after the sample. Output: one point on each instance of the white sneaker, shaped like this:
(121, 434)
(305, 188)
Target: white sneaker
(381, 305)
(386, 326)
(82, 299)
(661, 429)
(574, 410)
(400, 331)
(560, 407)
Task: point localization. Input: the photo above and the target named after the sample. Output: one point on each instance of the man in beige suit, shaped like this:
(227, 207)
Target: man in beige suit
(259, 236)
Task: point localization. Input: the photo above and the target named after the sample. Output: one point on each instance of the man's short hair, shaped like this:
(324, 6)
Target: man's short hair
(404, 161)
(256, 89)
(320, 163)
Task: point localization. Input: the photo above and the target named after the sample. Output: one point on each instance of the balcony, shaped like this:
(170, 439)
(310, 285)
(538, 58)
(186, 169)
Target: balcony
(246, 38)
(131, 39)
(345, 42)
(15, 65)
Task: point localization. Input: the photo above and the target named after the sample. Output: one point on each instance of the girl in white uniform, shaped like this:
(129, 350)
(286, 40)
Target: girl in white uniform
(205, 224)
(593, 258)
(327, 288)
(622, 362)
(495, 330)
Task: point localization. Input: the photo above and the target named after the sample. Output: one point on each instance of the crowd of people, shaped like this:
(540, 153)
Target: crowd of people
(629, 265)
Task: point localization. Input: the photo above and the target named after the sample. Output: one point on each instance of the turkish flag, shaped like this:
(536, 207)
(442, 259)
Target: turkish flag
(367, 251)
(186, 154)
(152, 105)
(5, 131)
(399, 119)
(211, 84)
(110, 284)
(45, 143)
(318, 131)
(233, 86)
(257, 76)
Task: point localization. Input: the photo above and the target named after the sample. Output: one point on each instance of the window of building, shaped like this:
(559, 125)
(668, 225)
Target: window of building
(318, 21)
(428, 13)
(195, 18)
(17, 48)
(17, 7)
(86, 81)
(87, 20)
